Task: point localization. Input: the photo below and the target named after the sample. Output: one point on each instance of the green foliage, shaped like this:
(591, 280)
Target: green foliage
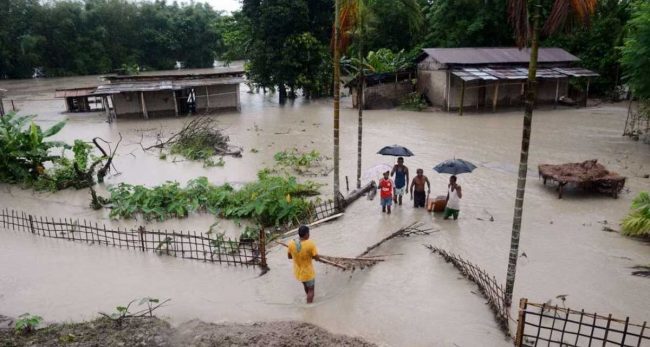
(598, 45)
(296, 159)
(637, 222)
(272, 200)
(636, 50)
(235, 36)
(23, 149)
(100, 36)
(413, 102)
(397, 24)
(289, 45)
(27, 323)
(467, 23)
(384, 60)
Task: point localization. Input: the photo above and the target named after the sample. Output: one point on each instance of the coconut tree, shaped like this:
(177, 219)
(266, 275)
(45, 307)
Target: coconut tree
(525, 35)
(337, 95)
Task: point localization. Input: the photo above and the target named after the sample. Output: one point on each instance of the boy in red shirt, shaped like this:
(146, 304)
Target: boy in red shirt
(386, 192)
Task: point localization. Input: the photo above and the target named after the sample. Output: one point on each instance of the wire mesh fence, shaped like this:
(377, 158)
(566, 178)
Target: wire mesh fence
(183, 244)
(547, 325)
(488, 285)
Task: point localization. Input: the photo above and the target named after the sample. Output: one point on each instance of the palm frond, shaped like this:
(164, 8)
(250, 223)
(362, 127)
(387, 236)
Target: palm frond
(579, 10)
(518, 18)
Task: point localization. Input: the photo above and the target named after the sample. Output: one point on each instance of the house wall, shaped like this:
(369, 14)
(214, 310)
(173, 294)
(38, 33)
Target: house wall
(161, 103)
(384, 95)
(127, 105)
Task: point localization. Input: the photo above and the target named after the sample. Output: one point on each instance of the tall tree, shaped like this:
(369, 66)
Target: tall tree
(636, 51)
(336, 61)
(518, 11)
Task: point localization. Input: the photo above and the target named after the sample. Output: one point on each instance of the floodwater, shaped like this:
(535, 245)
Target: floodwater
(414, 298)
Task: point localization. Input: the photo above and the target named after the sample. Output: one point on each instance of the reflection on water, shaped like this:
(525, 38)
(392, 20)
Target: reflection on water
(414, 298)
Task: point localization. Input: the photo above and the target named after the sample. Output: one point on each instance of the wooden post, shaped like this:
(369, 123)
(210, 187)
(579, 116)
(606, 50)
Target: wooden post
(448, 89)
(207, 99)
(262, 249)
(557, 92)
(13, 107)
(347, 184)
(175, 98)
(587, 91)
(2, 108)
(144, 106)
(141, 232)
(31, 224)
(462, 98)
(521, 322)
(107, 109)
(496, 97)
(237, 93)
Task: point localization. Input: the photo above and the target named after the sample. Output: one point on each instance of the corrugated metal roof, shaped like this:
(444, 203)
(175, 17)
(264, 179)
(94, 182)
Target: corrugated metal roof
(576, 72)
(120, 87)
(518, 73)
(74, 92)
(477, 56)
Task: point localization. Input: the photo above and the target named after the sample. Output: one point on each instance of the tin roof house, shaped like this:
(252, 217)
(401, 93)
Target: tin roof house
(457, 78)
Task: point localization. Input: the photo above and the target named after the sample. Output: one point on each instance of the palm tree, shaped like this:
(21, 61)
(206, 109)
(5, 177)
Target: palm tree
(337, 96)
(518, 11)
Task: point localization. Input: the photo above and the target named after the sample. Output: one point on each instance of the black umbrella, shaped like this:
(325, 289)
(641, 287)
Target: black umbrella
(396, 151)
(455, 167)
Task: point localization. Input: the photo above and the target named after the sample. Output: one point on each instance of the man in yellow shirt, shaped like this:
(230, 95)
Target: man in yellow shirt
(302, 250)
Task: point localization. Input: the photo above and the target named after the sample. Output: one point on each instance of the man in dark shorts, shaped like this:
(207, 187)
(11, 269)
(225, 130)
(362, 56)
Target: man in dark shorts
(418, 194)
(401, 173)
(302, 250)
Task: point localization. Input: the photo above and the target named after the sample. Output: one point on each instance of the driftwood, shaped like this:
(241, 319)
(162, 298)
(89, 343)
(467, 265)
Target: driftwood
(412, 229)
(203, 130)
(344, 264)
(586, 175)
(357, 193)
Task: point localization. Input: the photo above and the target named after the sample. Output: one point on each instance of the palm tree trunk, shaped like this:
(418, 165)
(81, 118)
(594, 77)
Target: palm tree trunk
(531, 91)
(337, 93)
(360, 134)
(360, 105)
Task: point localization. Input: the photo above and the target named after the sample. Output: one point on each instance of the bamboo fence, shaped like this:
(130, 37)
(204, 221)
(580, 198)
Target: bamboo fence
(183, 244)
(547, 325)
(488, 285)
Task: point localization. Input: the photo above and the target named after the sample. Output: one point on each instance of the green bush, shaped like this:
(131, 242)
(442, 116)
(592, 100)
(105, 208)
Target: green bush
(271, 200)
(23, 149)
(27, 323)
(413, 102)
(637, 222)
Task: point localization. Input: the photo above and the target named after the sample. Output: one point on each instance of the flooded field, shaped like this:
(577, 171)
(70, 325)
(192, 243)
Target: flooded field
(412, 299)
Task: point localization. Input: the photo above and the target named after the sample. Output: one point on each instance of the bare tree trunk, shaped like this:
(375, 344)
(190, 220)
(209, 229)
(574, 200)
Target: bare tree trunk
(360, 134)
(337, 92)
(531, 90)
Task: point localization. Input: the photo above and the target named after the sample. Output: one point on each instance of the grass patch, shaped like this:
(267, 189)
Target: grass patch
(637, 222)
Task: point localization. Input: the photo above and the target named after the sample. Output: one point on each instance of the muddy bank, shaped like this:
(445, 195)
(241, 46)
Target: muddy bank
(145, 331)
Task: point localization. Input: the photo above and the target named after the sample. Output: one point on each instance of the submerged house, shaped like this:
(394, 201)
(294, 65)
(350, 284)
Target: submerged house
(383, 90)
(81, 99)
(170, 94)
(457, 78)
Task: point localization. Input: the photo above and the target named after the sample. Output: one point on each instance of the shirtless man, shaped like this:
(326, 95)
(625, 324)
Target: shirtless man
(417, 189)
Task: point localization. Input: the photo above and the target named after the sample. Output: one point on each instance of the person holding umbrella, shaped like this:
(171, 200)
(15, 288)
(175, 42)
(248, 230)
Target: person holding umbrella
(454, 194)
(401, 173)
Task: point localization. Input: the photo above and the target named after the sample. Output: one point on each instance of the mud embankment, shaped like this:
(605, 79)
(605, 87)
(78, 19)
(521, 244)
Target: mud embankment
(143, 331)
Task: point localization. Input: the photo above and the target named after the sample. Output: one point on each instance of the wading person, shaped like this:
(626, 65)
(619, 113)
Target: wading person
(385, 193)
(302, 250)
(401, 173)
(454, 194)
(418, 194)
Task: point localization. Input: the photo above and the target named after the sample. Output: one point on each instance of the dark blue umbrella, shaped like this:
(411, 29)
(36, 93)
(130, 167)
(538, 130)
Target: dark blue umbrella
(455, 166)
(396, 151)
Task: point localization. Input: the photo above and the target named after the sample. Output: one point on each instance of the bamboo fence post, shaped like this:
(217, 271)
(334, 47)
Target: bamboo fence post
(262, 249)
(141, 233)
(638, 344)
(31, 224)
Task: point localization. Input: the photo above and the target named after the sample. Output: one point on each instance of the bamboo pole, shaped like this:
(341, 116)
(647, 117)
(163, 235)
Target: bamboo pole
(462, 97)
(496, 97)
(144, 106)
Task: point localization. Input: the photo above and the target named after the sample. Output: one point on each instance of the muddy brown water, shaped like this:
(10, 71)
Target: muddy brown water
(412, 299)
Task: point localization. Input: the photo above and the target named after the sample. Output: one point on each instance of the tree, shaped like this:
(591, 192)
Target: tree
(336, 62)
(398, 24)
(636, 51)
(518, 11)
(466, 23)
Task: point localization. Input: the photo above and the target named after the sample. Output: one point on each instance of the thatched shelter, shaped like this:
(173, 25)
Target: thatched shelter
(588, 175)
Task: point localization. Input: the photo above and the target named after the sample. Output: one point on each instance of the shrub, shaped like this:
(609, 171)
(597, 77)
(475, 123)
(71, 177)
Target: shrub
(637, 222)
